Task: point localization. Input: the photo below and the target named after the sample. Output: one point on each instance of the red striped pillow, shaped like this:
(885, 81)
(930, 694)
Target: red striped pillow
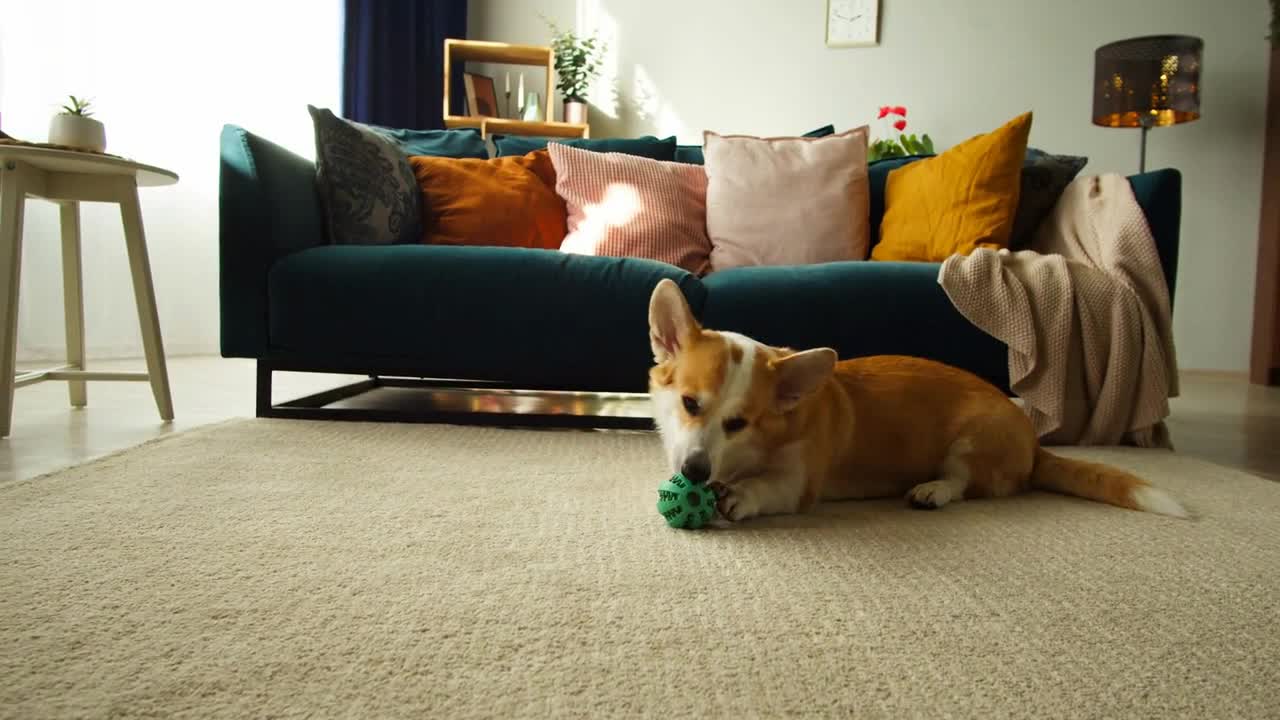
(628, 206)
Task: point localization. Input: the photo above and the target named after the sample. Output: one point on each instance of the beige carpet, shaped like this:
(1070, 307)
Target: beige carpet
(275, 569)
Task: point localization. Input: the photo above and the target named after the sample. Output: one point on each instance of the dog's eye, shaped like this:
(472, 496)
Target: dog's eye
(733, 425)
(690, 405)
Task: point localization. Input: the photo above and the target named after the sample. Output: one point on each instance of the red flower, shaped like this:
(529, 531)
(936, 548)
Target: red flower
(898, 110)
(884, 110)
(900, 125)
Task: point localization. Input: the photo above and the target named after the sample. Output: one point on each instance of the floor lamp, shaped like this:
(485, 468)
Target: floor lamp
(1147, 82)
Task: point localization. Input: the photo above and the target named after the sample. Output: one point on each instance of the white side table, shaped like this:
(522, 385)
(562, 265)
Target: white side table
(69, 178)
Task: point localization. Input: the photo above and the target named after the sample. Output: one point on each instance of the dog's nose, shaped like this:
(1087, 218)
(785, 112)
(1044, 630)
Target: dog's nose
(697, 468)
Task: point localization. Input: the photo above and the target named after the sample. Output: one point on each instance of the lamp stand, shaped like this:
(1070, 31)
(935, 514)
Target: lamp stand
(1142, 151)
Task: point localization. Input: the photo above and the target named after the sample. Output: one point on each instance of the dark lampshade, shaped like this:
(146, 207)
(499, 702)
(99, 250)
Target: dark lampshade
(1150, 81)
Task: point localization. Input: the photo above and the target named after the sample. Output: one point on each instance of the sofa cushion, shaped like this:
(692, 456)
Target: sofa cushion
(877, 178)
(889, 308)
(786, 200)
(646, 146)
(1044, 178)
(506, 201)
(369, 193)
(538, 318)
(453, 143)
(626, 206)
(962, 199)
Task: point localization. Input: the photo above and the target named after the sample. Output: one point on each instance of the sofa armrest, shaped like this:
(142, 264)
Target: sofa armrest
(1159, 193)
(267, 208)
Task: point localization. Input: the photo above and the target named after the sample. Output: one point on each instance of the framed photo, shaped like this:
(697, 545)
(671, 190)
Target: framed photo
(853, 23)
(482, 100)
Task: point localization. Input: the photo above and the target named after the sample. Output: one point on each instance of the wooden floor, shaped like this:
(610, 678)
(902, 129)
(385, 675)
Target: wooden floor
(1220, 418)
(1224, 419)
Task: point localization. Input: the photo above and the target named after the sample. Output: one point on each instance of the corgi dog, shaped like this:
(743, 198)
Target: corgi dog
(775, 431)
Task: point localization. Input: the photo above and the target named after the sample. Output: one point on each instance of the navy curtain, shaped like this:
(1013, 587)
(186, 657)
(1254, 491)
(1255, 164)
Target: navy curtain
(393, 61)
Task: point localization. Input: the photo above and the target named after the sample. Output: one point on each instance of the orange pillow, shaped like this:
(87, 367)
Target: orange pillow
(505, 201)
(965, 198)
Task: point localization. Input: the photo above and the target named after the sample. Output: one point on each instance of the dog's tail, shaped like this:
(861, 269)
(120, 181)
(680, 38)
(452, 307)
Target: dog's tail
(1094, 481)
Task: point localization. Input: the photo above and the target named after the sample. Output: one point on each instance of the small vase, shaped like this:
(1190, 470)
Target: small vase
(575, 112)
(532, 108)
(77, 131)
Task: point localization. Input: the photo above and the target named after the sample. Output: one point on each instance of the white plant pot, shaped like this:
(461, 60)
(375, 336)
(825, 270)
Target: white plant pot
(575, 112)
(77, 131)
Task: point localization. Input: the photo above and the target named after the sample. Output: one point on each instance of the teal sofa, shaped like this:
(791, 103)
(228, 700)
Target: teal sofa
(543, 320)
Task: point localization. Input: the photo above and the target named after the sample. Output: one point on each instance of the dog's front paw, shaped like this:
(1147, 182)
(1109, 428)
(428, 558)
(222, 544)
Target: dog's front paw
(735, 503)
(933, 495)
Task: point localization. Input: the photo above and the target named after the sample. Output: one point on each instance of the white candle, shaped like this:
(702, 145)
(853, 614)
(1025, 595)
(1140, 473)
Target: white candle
(520, 92)
(507, 86)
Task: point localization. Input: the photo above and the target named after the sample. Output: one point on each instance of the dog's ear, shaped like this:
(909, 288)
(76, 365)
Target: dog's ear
(799, 374)
(671, 322)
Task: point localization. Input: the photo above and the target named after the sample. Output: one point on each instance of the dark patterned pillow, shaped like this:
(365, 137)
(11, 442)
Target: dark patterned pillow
(1044, 177)
(370, 195)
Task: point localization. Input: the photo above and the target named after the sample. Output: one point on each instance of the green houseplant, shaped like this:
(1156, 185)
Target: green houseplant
(75, 127)
(577, 64)
(899, 144)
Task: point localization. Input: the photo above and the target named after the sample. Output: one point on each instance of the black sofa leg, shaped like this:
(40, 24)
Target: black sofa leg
(263, 393)
(442, 405)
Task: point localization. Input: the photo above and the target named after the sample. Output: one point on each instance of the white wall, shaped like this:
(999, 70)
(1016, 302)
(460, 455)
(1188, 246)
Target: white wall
(164, 77)
(961, 68)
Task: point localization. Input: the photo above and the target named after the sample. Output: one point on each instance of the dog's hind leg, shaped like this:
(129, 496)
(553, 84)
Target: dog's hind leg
(991, 461)
(953, 479)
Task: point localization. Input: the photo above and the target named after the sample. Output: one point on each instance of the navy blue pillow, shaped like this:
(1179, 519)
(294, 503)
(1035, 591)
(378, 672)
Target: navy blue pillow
(1044, 177)
(457, 143)
(646, 146)
(692, 154)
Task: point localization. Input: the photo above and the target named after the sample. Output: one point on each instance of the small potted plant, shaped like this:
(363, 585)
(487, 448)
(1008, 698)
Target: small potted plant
(901, 145)
(577, 63)
(75, 128)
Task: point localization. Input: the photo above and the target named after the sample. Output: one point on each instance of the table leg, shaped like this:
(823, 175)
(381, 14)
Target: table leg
(12, 200)
(73, 297)
(145, 297)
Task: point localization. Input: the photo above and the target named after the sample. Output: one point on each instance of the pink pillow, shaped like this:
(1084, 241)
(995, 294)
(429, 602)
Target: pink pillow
(787, 200)
(628, 206)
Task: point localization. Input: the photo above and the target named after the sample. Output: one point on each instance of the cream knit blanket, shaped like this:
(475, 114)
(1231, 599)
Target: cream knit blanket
(1086, 315)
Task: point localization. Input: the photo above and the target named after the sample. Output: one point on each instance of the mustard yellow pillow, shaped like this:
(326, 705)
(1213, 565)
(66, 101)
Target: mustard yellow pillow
(964, 198)
(506, 201)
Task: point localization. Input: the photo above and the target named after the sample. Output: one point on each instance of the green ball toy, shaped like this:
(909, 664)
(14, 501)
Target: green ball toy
(684, 504)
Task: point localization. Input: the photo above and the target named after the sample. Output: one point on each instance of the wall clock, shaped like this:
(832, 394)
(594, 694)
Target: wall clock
(853, 23)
